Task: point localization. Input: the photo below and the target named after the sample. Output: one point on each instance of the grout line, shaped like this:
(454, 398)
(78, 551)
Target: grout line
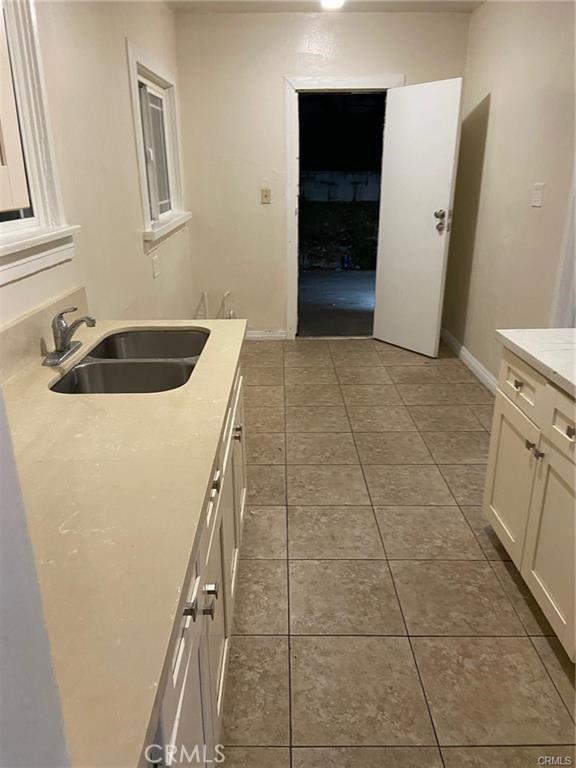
(288, 613)
(531, 638)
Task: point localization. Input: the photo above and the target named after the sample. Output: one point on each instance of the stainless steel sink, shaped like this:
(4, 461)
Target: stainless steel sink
(151, 345)
(92, 377)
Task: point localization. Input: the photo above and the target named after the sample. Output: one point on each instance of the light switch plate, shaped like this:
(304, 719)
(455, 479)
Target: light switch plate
(537, 194)
(265, 196)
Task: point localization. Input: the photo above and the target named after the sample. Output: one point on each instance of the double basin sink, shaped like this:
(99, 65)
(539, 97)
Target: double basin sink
(136, 361)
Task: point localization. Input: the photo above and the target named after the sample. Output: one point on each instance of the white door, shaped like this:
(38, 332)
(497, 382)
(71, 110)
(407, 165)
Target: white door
(418, 170)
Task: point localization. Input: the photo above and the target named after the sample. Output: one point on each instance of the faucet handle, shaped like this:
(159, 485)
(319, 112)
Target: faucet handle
(68, 310)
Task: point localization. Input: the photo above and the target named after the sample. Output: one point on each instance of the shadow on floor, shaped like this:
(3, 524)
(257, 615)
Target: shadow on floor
(336, 303)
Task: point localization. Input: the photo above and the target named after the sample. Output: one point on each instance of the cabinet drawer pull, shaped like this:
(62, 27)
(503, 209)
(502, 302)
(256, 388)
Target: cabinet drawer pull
(570, 432)
(237, 434)
(529, 445)
(191, 609)
(217, 481)
(538, 454)
(518, 384)
(212, 589)
(210, 610)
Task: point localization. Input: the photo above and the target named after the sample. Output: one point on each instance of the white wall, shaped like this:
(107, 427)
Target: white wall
(518, 129)
(232, 96)
(84, 53)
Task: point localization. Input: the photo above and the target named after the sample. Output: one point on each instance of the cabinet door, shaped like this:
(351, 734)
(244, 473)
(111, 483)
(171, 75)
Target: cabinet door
(239, 464)
(511, 466)
(548, 563)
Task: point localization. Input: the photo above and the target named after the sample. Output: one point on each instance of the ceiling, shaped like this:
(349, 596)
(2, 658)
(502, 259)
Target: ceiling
(278, 6)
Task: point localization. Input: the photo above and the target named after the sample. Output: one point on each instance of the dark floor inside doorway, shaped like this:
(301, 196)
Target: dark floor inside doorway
(332, 303)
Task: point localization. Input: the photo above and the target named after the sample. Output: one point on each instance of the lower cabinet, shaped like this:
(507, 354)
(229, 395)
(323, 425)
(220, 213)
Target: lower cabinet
(191, 709)
(529, 498)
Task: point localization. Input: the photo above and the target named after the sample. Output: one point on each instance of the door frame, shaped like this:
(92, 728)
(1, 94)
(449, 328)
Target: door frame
(292, 87)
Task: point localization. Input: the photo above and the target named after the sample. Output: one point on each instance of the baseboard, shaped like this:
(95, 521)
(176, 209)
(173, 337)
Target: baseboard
(481, 373)
(266, 335)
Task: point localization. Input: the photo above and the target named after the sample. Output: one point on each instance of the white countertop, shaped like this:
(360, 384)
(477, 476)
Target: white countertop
(114, 487)
(551, 351)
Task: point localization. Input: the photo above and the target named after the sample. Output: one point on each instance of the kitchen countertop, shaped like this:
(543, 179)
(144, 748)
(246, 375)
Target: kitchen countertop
(114, 487)
(551, 351)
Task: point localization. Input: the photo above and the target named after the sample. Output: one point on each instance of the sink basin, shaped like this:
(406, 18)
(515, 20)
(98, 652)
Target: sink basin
(118, 377)
(151, 345)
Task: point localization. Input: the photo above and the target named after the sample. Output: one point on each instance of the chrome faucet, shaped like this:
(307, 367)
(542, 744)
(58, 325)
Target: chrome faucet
(63, 344)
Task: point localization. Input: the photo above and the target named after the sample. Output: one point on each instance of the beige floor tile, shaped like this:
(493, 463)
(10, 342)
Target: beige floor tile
(269, 419)
(264, 534)
(344, 532)
(474, 394)
(261, 606)
(306, 344)
(265, 448)
(364, 602)
(362, 374)
(484, 413)
(321, 448)
(406, 484)
(256, 705)
(559, 667)
(354, 353)
(316, 419)
(528, 610)
(309, 376)
(319, 394)
(357, 690)
(466, 481)
(458, 447)
(430, 394)
(455, 372)
(490, 690)
(457, 598)
(397, 356)
(332, 484)
(416, 374)
(264, 396)
(444, 418)
(257, 757)
(366, 757)
(256, 353)
(371, 394)
(506, 757)
(266, 485)
(308, 358)
(261, 376)
(337, 346)
(380, 418)
(485, 534)
(426, 533)
(392, 448)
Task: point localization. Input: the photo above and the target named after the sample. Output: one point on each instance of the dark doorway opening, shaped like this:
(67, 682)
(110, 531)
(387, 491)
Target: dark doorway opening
(340, 164)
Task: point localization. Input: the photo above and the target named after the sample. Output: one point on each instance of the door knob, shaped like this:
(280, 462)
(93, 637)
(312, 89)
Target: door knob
(570, 432)
(530, 445)
(440, 214)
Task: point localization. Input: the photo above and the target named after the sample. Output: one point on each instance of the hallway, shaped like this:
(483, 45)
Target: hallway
(379, 622)
(336, 303)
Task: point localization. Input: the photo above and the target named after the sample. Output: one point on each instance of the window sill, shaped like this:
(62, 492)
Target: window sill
(23, 241)
(25, 253)
(164, 229)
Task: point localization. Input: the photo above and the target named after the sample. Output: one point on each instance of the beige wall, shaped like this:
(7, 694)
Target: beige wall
(232, 96)
(518, 129)
(84, 52)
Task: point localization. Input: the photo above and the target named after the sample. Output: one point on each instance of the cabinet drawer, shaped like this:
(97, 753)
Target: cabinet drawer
(560, 421)
(525, 387)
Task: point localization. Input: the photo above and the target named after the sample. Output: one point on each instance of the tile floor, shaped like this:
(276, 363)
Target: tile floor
(379, 622)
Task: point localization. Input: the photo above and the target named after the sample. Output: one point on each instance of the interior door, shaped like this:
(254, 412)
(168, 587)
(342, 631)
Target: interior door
(421, 138)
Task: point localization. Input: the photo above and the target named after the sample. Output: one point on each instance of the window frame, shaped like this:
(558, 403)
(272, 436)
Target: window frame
(48, 224)
(162, 84)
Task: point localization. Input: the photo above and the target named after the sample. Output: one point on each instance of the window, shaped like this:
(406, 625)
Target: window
(33, 230)
(154, 106)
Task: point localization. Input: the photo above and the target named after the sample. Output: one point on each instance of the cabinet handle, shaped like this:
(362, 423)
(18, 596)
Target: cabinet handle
(210, 610)
(217, 481)
(518, 384)
(538, 454)
(529, 445)
(570, 432)
(212, 589)
(191, 609)
(237, 433)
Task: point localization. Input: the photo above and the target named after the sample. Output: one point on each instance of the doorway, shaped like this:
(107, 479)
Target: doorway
(340, 137)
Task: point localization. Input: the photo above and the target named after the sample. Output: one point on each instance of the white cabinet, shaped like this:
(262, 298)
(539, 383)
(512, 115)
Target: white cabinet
(529, 497)
(191, 704)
